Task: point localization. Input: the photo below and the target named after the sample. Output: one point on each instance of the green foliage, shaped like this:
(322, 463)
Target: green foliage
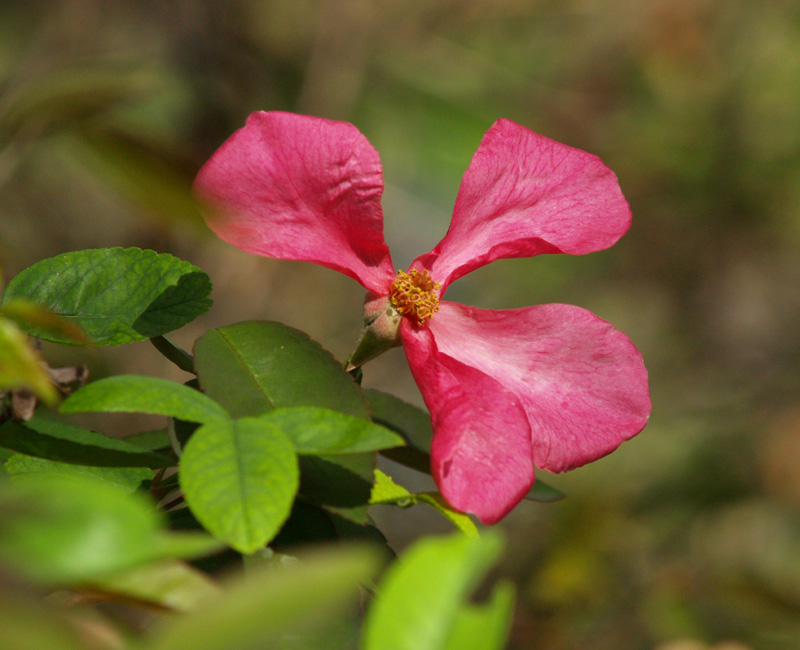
(276, 607)
(407, 420)
(151, 440)
(421, 602)
(31, 316)
(107, 112)
(316, 431)
(279, 449)
(129, 479)
(386, 491)
(240, 479)
(114, 295)
(485, 626)
(170, 583)
(340, 483)
(136, 394)
(72, 444)
(69, 530)
(252, 367)
(20, 365)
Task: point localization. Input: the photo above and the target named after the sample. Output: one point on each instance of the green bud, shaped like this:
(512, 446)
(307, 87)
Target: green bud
(381, 330)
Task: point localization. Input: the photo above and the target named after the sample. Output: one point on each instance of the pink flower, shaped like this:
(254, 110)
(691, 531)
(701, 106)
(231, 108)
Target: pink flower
(551, 386)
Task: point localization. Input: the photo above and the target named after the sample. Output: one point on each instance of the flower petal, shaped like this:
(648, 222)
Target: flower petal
(523, 195)
(481, 450)
(582, 383)
(300, 188)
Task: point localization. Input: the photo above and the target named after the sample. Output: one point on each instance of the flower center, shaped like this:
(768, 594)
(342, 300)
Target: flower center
(414, 294)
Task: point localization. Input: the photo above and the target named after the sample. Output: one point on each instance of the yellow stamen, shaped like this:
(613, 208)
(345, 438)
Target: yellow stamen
(414, 294)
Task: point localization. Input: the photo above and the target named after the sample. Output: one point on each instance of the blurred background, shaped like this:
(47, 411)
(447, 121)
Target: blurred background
(689, 535)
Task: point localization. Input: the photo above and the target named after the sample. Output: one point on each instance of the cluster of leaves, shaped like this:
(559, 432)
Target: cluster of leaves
(274, 446)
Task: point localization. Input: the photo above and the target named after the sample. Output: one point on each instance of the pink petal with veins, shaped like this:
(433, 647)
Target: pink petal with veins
(581, 383)
(300, 188)
(481, 450)
(523, 195)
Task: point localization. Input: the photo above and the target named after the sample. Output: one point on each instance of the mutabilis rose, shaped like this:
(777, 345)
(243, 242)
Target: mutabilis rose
(551, 386)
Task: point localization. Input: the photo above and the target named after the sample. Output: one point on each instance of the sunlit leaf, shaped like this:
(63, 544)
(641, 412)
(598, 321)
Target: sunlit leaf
(484, 626)
(386, 491)
(317, 431)
(127, 478)
(240, 479)
(20, 365)
(140, 394)
(458, 519)
(420, 602)
(115, 295)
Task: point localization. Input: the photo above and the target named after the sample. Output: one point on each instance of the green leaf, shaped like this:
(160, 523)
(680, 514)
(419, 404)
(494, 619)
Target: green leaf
(240, 479)
(139, 394)
(27, 313)
(66, 530)
(485, 626)
(166, 583)
(386, 491)
(255, 366)
(318, 431)
(275, 607)
(115, 295)
(127, 478)
(457, 518)
(71, 444)
(20, 365)
(411, 422)
(420, 601)
(179, 357)
(151, 440)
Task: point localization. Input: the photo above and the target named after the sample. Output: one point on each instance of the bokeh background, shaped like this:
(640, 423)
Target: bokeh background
(689, 535)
